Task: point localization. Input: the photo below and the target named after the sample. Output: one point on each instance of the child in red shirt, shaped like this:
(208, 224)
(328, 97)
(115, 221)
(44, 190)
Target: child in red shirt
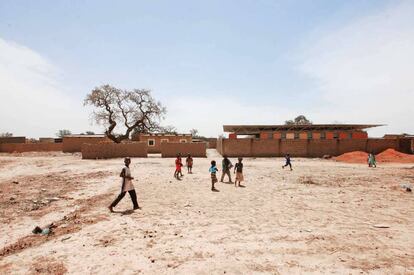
(178, 165)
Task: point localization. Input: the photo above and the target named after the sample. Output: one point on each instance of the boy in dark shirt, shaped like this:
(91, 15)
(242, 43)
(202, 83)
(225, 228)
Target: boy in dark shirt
(287, 157)
(238, 169)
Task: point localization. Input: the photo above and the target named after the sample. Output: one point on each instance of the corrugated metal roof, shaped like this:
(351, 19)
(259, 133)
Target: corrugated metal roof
(256, 129)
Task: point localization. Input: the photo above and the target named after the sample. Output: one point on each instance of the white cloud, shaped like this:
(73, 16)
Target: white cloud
(365, 70)
(33, 102)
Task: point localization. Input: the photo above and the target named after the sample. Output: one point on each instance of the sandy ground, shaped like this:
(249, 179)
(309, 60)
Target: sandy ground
(318, 218)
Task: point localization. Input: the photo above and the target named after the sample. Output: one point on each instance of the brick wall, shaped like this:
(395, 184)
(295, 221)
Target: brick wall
(295, 148)
(265, 148)
(302, 148)
(114, 150)
(160, 138)
(212, 143)
(30, 147)
(12, 140)
(377, 145)
(74, 144)
(169, 149)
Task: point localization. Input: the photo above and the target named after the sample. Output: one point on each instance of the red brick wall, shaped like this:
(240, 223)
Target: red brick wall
(359, 135)
(12, 140)
(30, 147)
(265, 148)
(232, 136)
(343, 135)
(329, 135)
(295, 148)
(377, 145)
(74, 144)
(169, 150)
(237, 147)
(114, 150)
(303, 148)
(156, 149)
(303, 135)
(316, 135)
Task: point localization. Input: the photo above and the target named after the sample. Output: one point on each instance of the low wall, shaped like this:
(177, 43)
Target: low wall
(12, 140)
(301, 148)
(30, 147)
(74, 144)
(114, 150)
(170, 149)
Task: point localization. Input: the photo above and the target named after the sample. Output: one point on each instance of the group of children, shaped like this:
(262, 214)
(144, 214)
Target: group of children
(178, 174)
(127, 178)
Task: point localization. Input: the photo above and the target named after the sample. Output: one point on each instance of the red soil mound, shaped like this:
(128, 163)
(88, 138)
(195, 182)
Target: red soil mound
(390, 155)
(353, 157)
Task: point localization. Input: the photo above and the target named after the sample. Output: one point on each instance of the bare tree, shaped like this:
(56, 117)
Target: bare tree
(194, 132)
(299, 120)
(125, 110)
(63, 132)
(169, 129)
(6, 134)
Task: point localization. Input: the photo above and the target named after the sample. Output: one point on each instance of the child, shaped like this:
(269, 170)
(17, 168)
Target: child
(189, 162)
(226, 166)
(287, 157)
(213, 170)
(178, 165)
(371, 160)
(127, 186)
(239, 175)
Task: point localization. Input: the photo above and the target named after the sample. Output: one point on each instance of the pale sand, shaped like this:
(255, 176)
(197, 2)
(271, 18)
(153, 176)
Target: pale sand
(319, 218)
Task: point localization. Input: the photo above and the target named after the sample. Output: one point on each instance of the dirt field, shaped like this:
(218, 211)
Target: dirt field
(322, 217)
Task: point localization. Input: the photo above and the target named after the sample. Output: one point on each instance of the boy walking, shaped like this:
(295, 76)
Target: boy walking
(287, 157)
(238, 170)
(178, 165)
(213, 170)
(189, 162)
(127, 186)
(226, 166)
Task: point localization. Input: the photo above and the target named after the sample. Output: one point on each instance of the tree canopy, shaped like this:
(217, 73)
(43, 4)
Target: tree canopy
(63, 132)
(299, 120)
(122, 112)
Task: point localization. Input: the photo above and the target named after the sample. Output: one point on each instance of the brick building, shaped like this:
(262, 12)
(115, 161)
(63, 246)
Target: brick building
(154, 140)
(311, 131)
(315, 140)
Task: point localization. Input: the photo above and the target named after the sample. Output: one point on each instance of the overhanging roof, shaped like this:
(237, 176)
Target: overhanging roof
(256, 129)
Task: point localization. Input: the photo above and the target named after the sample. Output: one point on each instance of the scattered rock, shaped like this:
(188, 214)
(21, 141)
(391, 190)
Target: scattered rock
(15, 182)
(381, 226)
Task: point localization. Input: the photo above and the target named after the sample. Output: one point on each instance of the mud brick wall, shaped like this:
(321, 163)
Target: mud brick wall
(74, 144)
(406, 145)
(377, 145)
(302, 148)
(114, 150)
(30, 147)
(349, 145)
(12, 140)
(265, 148)
(169, 149)
(296, 148)
(212, 143)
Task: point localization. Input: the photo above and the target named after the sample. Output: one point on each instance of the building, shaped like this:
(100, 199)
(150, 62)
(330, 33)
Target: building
(311, 131)
(73, 143)
(154, 140)
(314, 140)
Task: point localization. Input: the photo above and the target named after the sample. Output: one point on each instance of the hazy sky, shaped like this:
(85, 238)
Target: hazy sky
(209, 62)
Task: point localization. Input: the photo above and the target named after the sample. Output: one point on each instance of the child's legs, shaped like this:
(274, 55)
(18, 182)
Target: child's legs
(133, 196)
(118, 199)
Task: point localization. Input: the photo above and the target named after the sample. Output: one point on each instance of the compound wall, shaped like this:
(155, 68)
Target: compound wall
(74, 144)
(30, 147)
(301, 148)
(114, 150)
(12, 140)
(169, 150)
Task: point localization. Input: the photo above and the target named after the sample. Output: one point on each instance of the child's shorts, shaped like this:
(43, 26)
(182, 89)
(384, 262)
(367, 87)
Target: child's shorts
(239, 176)
(214, 178)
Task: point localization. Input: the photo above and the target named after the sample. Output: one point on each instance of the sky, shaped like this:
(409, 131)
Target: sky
(209, 62)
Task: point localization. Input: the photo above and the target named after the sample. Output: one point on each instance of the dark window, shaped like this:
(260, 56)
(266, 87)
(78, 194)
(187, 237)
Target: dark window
(296, 135)
(335, 135)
